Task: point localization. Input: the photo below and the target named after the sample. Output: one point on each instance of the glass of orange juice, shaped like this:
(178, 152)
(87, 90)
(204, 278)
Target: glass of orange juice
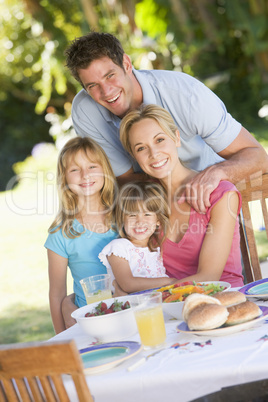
(149, 318)
(96, 288)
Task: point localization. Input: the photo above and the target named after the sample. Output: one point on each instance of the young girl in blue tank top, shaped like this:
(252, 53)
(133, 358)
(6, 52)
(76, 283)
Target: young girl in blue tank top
(83, 225)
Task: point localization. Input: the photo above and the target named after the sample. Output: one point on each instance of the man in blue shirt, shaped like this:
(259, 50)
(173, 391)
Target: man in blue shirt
(212, 141)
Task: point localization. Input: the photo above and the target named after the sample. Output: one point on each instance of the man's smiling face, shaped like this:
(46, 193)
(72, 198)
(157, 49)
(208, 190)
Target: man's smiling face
(110, 85)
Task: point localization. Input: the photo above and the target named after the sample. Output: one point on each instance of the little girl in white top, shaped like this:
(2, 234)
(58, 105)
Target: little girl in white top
(135, 260)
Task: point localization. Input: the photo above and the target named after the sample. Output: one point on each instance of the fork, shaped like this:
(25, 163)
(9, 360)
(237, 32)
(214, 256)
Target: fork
(143, 360)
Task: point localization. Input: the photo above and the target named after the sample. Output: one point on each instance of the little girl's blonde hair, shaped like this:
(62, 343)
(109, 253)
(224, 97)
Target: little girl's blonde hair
(141, 196)
(68, 199)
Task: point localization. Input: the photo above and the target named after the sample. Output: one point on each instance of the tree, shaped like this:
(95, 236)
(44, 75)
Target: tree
(224, 43)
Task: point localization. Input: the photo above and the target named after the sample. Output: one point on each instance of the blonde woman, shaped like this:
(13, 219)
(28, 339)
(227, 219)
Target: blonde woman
(83, 225)
(198, 246)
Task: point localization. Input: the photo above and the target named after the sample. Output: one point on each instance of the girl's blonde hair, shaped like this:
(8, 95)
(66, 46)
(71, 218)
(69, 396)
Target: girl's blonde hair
(68, 199)
(155, 112)
(143, 196)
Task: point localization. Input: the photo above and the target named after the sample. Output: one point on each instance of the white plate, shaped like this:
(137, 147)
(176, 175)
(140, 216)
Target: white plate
(174, 310)
(99, 358)
(256, 289)
(183, 327)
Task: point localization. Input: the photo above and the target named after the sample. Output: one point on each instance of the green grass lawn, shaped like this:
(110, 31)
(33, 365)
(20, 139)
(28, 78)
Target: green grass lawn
(24, 312)
(26, 215)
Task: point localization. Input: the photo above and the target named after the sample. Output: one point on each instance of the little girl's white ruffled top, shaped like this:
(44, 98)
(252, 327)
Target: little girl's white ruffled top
(142, 261)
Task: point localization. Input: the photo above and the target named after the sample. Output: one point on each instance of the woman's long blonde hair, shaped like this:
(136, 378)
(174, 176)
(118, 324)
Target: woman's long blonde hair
(155, 112)
(142, 196)
(68, 200)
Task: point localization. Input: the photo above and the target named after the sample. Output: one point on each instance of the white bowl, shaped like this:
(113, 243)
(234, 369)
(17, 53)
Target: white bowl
(110, 327)
(173, 310)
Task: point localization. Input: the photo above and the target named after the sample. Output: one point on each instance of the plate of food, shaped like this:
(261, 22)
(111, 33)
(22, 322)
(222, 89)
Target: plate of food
(174, 296)
(225, 330)
(222, 314)
(256, 289)
(98, 358)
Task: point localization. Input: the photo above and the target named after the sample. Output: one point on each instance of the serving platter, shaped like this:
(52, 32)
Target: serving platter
(98, 358)
(222, 331)
(256, 289)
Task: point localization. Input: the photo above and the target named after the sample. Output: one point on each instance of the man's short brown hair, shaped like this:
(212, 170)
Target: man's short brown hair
(82, 51)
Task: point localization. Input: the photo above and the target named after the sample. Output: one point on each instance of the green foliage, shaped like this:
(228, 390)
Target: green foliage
(225, 44)
(20, 129)
(33, 38)
(155, 17)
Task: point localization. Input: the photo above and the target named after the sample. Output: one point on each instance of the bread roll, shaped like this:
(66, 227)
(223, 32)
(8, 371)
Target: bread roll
(207, 316)
(194, 300)
(230, 298)
(242, 312)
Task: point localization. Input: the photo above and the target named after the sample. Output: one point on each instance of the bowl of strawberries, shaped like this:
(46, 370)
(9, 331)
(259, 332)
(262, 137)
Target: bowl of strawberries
(110, 320)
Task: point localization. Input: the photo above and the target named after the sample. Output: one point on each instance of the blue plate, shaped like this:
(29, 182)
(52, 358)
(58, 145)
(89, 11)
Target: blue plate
(256, 289)
(141, 292)
(102, 357)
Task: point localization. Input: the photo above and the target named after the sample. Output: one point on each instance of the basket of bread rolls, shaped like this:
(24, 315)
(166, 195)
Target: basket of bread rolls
(203, 312)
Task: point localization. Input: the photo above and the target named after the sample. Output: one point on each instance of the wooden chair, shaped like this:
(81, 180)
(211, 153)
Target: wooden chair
(32, 372)
(252, 190)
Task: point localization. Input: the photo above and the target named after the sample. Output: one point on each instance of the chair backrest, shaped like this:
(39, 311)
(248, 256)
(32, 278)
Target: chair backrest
(253, 190)
(33, 372)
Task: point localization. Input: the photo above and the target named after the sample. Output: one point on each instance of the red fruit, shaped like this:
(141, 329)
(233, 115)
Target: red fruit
(100, 308)
(108, 311)
(126, 305)
(89, 315)
(103, 306)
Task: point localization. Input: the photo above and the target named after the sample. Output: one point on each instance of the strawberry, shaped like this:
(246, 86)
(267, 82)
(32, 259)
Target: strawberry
(117, 306)
(126, 305)
(108, 311)
(103, 306)
(89, 315)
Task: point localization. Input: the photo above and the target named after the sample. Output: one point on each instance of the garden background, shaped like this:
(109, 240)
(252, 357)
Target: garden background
(223, 43)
